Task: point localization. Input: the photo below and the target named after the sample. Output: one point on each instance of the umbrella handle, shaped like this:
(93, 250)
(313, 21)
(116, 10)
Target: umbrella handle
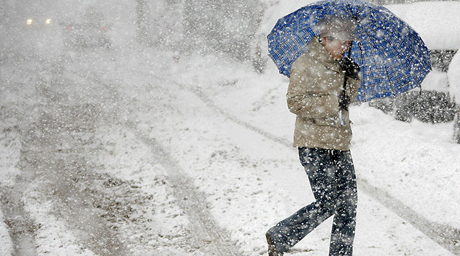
(345, 80)
(343, 122)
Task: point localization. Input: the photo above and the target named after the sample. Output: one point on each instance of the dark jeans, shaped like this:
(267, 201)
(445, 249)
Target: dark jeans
(333, 182)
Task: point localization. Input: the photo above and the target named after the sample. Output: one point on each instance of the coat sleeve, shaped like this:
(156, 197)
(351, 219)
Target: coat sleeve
(305, 98)
(353, 87)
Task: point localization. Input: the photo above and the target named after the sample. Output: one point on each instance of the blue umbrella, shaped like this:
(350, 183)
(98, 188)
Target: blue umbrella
(392, 56)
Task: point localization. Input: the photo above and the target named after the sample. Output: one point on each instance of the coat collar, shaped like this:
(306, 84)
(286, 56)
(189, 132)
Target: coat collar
(319, 53)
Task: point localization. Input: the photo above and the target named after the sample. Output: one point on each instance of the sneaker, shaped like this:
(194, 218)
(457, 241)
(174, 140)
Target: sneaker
(272, 251)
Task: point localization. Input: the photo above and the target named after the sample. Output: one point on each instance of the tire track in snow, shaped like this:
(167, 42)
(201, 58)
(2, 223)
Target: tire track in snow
(46, 159)
(21, 226)
(208, 236)
(446, 236)
(53, 153)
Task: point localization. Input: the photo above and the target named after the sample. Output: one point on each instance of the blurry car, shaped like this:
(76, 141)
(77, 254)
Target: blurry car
(39, 22)
(85, 35)
(35, 33)
(91, 31)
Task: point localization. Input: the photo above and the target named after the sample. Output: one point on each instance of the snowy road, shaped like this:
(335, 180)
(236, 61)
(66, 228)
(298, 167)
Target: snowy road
(113, 161)
(446, 236)
(57, 154)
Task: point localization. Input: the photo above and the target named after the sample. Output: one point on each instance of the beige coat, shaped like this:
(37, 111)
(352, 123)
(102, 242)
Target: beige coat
(315, 84)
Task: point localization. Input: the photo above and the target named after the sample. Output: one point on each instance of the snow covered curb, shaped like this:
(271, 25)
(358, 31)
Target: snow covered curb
(6, 245)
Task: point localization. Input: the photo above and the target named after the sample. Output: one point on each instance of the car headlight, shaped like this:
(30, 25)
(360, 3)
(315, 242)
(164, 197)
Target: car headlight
(48, 21)
(29, 21)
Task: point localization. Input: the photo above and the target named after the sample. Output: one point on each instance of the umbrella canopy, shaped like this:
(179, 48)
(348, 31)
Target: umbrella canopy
(392, 56)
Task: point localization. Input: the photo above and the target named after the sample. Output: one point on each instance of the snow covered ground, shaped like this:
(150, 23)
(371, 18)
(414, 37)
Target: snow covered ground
(139, 151)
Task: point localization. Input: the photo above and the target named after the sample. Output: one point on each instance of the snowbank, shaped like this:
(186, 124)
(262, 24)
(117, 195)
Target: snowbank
(436, 22)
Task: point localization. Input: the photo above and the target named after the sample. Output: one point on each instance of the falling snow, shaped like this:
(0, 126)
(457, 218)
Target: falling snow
(175, 138)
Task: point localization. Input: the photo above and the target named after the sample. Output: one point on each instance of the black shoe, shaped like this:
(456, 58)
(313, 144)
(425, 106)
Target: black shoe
(272, 251)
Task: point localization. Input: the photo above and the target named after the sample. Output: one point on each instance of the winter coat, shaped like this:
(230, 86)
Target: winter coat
(315, 84)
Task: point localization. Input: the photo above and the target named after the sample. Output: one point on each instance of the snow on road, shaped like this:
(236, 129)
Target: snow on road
(119, 145)
(251, 90)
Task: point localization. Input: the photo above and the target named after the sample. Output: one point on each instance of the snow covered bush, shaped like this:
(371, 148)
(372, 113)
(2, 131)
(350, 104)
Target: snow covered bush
(425, 106)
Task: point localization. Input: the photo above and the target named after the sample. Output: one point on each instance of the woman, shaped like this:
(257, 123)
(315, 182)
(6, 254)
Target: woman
(322, 85)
